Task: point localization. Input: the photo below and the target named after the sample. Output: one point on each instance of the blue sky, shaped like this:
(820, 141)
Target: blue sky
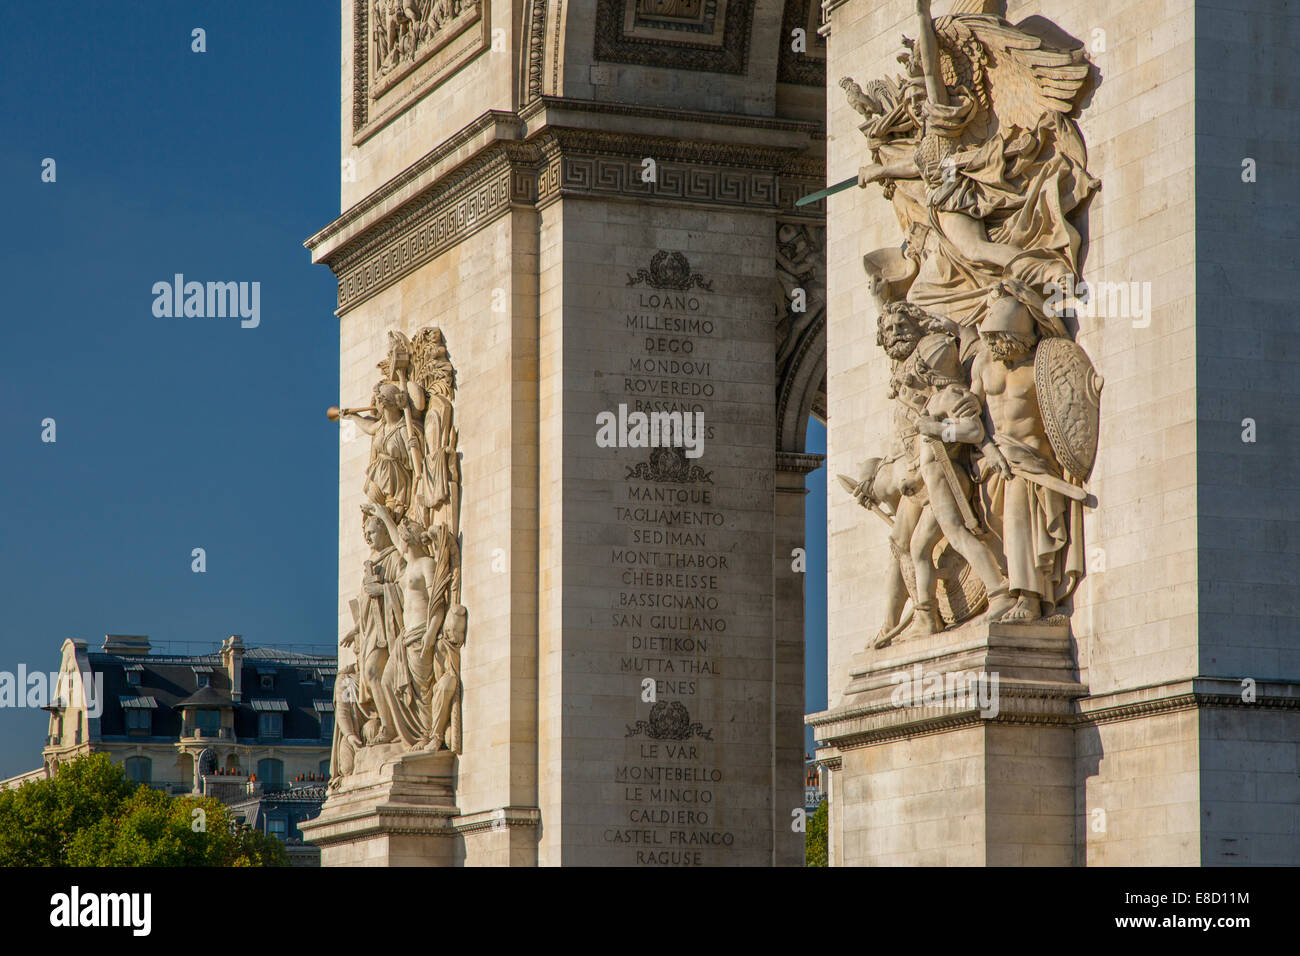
(172, 434)
(814, 594)
(176, 433)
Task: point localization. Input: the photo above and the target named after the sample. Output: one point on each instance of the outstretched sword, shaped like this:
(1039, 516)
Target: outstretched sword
(828, 191)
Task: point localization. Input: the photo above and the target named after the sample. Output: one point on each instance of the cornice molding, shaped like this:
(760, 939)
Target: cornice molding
(475, 194)
(847, 732)
(498, 819)
(713, 118)
(369, 249)
(798, 462)
(371, 821)
(500, 124)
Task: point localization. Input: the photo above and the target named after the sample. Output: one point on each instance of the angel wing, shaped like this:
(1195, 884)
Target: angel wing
(976, 6)
(430, 365)
(1016, 75)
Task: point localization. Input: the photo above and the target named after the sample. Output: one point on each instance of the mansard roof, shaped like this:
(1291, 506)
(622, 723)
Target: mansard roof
(172, 681)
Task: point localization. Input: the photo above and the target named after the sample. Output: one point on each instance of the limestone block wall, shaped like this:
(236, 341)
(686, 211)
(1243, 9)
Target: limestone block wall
(918, 802)
(1139, 796)
(492, 342)
(626, 791)
(862, 43)
(788, 740)
(1250, 787)
(1248, 71)
(985, 795)
(1135, 613)
(551, 514)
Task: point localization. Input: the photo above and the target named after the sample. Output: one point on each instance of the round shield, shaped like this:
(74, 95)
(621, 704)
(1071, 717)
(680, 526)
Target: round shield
(1069, 395)
(959, 590)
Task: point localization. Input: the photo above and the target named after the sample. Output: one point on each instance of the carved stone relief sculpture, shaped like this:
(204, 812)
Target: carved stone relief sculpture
(404, 30)
(996, 408)
(404, 689)
(403, 49)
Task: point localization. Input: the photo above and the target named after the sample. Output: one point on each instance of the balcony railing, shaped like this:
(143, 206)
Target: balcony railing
(199, 733)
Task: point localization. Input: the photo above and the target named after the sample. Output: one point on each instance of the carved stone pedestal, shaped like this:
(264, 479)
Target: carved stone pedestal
(956, 749)
(393, 810)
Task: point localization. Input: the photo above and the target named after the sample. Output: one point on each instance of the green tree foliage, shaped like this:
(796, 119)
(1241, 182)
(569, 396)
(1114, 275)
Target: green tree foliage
(815, 838)
(89, 814)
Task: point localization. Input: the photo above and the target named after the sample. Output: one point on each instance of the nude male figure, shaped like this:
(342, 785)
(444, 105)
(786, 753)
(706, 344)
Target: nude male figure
(1032, 518)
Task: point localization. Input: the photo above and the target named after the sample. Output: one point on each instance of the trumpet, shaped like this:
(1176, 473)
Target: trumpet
(334, 413)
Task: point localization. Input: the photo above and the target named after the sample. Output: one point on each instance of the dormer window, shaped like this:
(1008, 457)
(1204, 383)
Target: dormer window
(203, 680)
(268, 681)
(138, 715)
(270, 718)
(133, 678)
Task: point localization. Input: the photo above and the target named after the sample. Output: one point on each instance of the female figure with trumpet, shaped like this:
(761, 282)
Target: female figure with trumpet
(394, 449)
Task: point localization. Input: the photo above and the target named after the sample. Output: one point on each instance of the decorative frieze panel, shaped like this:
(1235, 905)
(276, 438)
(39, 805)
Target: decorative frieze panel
(709, 35)
(402, 49)
(471, 198)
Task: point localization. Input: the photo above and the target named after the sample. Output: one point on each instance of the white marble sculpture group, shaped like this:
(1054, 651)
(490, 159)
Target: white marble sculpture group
(403, 689)
(995, 406)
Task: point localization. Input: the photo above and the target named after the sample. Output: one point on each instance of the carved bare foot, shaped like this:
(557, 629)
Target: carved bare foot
(1000, 602)
(884, 637)
(434, 744)
(1026, 609)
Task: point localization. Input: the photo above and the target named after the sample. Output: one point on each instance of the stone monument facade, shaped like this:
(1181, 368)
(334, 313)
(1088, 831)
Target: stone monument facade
(1028, 661)
(571, 494)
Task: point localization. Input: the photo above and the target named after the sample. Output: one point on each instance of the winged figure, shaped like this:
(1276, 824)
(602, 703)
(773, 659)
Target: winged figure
(981, 157)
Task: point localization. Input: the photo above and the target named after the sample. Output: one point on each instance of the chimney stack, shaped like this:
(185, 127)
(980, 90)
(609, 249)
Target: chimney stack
(126, 645)
(232, 656)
